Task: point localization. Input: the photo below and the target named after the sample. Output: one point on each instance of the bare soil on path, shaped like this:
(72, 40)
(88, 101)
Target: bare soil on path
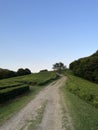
(52, 118)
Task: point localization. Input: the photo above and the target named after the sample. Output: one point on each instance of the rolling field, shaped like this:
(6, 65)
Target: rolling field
(12, 87)
(36, 78)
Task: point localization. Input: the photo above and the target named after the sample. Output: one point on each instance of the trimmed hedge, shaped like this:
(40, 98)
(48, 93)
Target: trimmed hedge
(10, 88)
(13, 85)
(48, 80)
(10, 93)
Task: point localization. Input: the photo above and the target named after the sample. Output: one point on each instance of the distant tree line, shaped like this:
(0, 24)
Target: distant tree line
(5, 73)
(41, 71)
(86, 67)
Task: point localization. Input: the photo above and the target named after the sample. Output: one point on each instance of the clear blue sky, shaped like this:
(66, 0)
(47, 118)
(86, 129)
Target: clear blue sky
(37, 33)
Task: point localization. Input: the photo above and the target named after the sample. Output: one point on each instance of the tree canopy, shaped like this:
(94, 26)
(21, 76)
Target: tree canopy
(22, 71)
(5, 73)
(59, 66)
(86, 67)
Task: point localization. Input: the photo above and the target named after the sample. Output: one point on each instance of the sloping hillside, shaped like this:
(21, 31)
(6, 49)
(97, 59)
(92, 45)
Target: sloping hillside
(86, 67)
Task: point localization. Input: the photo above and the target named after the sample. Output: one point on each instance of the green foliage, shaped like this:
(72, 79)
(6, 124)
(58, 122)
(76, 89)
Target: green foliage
(5, 73)
(41, 71)
(84, 116)
(10, 108)
(86, 90)
(4, 86)
(95, 101)
(59, 66)
(10, 93)
(86, 67)
(22, 71)
(12, 87)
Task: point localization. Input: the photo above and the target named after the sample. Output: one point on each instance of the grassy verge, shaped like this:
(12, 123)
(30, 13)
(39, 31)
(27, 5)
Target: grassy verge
(84, 115)
(86, 90)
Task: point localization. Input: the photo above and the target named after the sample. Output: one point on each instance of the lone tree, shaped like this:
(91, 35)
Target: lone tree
(59, 67)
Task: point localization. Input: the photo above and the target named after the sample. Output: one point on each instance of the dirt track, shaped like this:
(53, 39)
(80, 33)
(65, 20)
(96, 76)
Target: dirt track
(52, 115)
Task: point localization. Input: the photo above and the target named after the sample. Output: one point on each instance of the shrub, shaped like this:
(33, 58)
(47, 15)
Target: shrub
(10, 93)
(86, 67)
(95, 102)
(84, 89)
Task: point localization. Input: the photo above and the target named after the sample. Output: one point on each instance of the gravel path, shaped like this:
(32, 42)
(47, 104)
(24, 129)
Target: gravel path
(52, 117)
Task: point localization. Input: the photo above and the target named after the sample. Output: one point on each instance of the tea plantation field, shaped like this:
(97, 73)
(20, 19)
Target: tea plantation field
(16, 92)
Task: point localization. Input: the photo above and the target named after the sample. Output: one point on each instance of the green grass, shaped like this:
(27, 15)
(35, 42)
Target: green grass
(84, 114)
(86, 90)
(18, 85)
(32, 79)
(11, 107)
